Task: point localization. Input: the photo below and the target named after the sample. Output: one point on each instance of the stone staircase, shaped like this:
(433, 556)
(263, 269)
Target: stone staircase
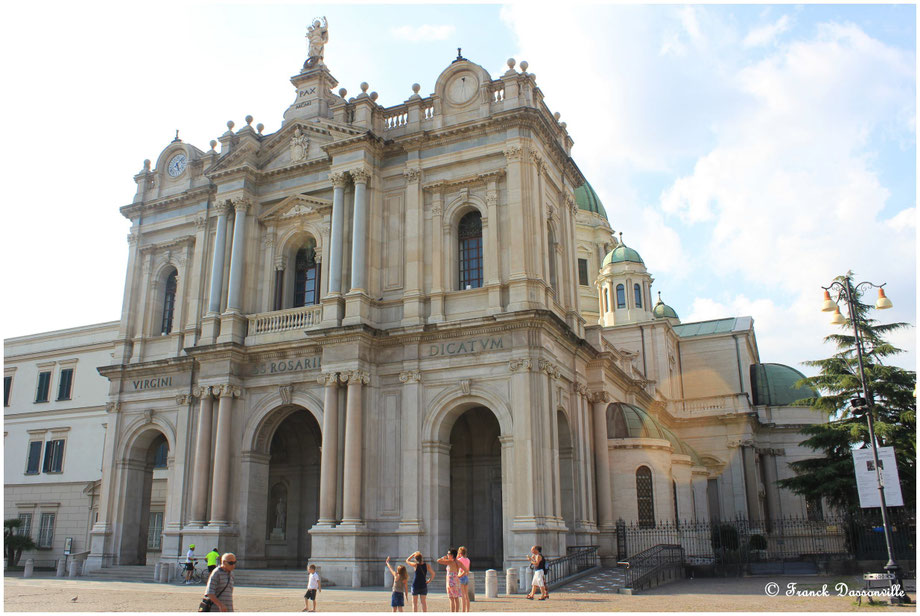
(123, 573)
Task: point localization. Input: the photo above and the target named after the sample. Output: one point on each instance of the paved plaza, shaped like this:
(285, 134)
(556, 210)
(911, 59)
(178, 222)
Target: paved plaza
(49, 594)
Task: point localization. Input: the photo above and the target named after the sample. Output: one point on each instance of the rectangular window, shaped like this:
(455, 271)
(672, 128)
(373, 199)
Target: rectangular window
(155, 530)
(814, 510)
(66, 385)
(46, 530)
(35, 456)
(44, 385)
(54, 456)
(25, 528)
(583, 272)
(7, 389)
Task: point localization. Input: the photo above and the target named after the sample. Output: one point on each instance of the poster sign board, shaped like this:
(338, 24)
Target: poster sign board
(68, 546)
(867, 482)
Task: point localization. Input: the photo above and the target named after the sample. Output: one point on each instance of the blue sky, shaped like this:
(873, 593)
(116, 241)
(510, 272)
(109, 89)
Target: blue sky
(749, 153)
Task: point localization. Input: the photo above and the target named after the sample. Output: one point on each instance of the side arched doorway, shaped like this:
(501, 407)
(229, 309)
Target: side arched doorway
(567, 478)
(284, 489)
(144, 493)
(476, 487)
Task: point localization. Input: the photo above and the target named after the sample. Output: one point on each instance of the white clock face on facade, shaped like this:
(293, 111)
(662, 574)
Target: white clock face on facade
(462, 87)
(176, 165)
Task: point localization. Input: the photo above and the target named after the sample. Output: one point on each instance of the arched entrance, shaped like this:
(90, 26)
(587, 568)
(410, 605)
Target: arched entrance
(291, 494)
(567, 479)
(476, 487)
(145, 489)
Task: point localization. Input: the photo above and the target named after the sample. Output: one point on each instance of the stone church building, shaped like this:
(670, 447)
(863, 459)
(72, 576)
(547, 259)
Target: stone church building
(382, 329)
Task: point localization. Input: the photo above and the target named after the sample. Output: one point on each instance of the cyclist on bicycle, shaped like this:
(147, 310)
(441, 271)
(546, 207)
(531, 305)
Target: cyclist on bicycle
(189, 563)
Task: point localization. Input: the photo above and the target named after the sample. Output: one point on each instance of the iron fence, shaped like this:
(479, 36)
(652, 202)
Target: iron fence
(741, 541)
(653, 566)
(578, 558)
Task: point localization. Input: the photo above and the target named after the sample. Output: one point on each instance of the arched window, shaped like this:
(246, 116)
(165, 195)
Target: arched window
(162, 451)
(644, 498)
(169, 303)
(306, 277)
(469, 233)
(621, 296)
(638, 291)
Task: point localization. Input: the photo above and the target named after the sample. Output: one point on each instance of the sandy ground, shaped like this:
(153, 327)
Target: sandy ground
(707, 595)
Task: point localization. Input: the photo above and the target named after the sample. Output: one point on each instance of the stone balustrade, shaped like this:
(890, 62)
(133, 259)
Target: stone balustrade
(395, 117)
(304, 317)
(710, 405)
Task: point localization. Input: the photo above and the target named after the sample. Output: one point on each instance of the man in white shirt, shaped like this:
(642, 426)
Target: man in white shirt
(189, 563)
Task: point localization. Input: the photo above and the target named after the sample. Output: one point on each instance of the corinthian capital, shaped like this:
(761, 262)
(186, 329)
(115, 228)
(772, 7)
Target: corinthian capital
(228, 390)
(360, 175)
(513, 152)
(412, 174)
(359, 377)
(600, 396)
(329, 379)
(223, 207)
(410, 376)
(338, 179)
(242, 204)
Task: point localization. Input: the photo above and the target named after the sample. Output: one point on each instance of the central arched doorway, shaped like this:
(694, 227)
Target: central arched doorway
(476, 487)
(291, 495)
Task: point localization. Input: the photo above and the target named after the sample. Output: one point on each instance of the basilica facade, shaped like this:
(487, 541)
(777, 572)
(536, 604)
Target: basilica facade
(382, 329)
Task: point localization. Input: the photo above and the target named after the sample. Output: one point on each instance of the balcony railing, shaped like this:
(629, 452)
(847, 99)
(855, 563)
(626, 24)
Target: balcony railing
(710, 405)
(304, 317)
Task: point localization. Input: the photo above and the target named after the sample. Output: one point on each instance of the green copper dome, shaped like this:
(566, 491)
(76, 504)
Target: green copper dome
(774, 385)
(621, 254)
(663, 311)
(586, 199)
(628, 421)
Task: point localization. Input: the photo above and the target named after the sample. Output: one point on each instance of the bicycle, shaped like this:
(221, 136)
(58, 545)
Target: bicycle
(199, 573)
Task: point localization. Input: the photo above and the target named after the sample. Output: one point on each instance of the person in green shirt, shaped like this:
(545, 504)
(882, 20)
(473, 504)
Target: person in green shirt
(212, 557)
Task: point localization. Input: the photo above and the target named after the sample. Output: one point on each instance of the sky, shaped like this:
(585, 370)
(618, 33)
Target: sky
(749, 153)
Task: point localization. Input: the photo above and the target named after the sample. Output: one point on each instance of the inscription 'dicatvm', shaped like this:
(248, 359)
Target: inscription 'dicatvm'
(474, 345)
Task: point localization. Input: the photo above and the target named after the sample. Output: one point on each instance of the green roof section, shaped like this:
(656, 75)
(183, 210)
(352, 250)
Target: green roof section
(715, 326)
(629, 421)
(663, 311)
(774, 385)
(586, 199)
(621, 254)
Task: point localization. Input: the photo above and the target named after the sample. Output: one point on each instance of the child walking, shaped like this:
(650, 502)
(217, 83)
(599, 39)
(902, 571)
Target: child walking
(400, 586)
(313, 587)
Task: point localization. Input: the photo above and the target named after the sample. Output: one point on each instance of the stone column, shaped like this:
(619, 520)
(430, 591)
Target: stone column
(330, 451)
(438, 258)
(217, 265)
(359, 237)
(337, 234)
(602, 461)
(201, 475)
(354, 445)
(220, 488)
(237, 255)
(751, 484)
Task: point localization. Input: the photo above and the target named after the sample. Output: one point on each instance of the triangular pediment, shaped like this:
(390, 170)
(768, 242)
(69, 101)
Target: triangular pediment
(296, 206)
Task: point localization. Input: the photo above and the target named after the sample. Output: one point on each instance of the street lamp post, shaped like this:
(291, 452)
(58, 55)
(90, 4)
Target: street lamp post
(846, 290)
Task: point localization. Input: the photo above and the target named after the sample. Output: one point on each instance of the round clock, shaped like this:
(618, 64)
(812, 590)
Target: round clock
(176, 165)
(462, 88)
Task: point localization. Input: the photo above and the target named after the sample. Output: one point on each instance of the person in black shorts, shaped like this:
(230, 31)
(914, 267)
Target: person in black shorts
(424, 574)
(314, 585)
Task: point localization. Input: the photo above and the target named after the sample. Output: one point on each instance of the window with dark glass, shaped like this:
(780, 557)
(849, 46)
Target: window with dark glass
(44, 384)
(7, 389)
(159, 458)
(469, 233)
(35, 456)
(169, 303)
(54, 456)
(583, 272)
(644, 498)
(638, 291)
(552, 260)
(306, 278)
(674, 486)
(66, 384)
(621, 296)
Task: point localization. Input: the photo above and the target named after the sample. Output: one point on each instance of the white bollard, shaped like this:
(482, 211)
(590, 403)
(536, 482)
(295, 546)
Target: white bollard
(471, 587)
(164, 571)
(59, 572)
(27, 570)
(511, 581)
(524, 579)
(156, 571)
(387, 578)
(491, 583)
(73, 572)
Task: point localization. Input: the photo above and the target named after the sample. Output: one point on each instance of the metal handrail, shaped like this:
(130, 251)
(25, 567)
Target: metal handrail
(578, 558)
(642, 567)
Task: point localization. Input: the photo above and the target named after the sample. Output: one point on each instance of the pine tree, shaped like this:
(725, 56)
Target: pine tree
(831, 476)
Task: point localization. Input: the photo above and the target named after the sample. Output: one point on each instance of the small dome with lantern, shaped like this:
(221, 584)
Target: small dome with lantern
(621, 254)
(663, 311)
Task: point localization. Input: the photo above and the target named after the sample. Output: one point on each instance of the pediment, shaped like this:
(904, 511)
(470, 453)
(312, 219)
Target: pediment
(298, 142)
(295, 206)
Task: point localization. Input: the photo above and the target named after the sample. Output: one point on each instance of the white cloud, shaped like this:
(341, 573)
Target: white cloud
(765, 35)
(425, 32)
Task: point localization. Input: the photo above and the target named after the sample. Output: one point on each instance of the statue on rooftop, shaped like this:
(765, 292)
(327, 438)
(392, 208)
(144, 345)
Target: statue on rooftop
(317, 37)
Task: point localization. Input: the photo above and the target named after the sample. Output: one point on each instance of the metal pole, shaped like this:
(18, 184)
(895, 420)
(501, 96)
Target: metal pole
(891, 566)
